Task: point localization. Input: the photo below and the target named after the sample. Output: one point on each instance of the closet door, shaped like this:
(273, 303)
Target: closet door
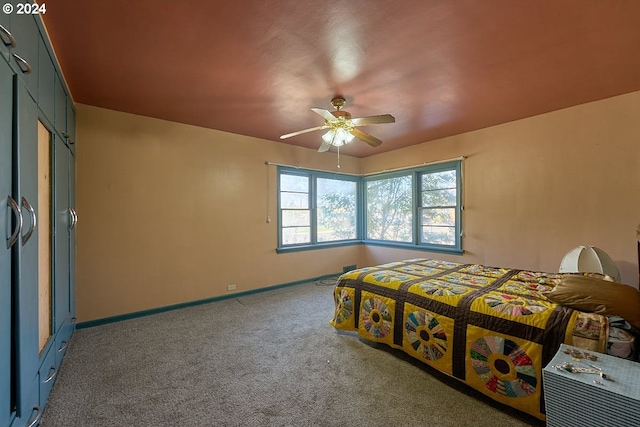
(64, 220)
(72, 236)
(8, 223)
(25, 254)
(71, 139)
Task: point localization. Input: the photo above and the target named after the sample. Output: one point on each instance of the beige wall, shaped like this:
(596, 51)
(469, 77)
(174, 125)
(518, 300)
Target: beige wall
(535, 188)
(173, 213)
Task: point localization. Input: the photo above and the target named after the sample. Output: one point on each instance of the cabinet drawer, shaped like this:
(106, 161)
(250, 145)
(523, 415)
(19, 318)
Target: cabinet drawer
(31, 411)
(47, 375)
(62, 341)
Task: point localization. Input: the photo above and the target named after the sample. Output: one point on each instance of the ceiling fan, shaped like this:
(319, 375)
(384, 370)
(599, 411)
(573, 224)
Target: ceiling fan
(342, 128)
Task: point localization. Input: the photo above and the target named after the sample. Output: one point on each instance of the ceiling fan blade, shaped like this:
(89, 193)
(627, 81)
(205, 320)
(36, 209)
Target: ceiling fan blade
(289, 135)
(373, 120)
(324, 147)
(324, 113)
(365, 137)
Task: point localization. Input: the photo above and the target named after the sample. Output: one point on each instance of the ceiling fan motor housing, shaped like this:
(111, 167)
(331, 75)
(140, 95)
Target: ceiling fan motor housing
(338, 102)
(344, 114)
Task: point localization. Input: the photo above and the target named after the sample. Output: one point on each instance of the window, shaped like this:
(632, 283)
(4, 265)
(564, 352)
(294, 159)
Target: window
(337, 213)
(390, 209)
(316, 208)
(438, 207)
(295, 208)
(419, 208)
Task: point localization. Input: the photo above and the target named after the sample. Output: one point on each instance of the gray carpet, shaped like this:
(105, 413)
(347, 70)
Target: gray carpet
(266, 359)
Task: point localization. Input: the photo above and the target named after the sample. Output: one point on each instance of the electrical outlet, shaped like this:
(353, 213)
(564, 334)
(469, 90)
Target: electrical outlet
(231, 287)
(348, 268)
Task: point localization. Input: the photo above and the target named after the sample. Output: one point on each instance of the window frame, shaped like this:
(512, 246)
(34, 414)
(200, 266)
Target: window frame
(361, 208)
(442, 167)
(380, 177)
(313, 176)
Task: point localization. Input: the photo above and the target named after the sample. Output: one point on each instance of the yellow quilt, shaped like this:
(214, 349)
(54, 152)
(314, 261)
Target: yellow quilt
(491, 328)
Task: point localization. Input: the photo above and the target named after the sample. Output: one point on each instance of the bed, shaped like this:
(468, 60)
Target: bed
(490, 328)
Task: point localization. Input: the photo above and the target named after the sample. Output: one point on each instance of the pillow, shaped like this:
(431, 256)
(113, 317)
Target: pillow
(595, 295)
(597, 275)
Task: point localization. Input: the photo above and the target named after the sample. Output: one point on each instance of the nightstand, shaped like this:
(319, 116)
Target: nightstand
(586, 399)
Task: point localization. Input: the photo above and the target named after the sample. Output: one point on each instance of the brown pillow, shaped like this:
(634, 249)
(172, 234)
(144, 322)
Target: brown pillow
(595, 295)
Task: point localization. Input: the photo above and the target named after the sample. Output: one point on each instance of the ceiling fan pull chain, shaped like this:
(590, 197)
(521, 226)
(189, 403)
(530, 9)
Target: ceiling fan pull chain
(338, 157)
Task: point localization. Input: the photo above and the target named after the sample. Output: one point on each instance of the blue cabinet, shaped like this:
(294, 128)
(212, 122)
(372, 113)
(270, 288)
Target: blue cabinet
(61, 106)
(64, 220)
(6, 38)
(19, 354)
(71, 123)
(32, 415)
(26, 249)
(7, 219)
(46, 377)
(72, 234)
(46, 81)
(29, 357)
(24, 56)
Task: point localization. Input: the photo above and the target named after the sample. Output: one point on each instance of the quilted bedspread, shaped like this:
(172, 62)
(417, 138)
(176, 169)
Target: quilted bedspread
(491, 328)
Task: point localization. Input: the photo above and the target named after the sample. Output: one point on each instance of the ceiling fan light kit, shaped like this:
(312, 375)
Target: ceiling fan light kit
(342, 129)
(338, 136)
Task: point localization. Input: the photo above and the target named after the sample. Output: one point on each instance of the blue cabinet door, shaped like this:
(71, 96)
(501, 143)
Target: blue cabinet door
(72, 236)
(46, 82)
(71, 122)
(5, 35)
(62, 225)
(61, 107)
(26, 251)
(24, 57)
(6, 221)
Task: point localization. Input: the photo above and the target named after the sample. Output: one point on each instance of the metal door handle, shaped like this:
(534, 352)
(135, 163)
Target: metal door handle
(34, 220)
(16, 211)
(23, 64)
(12, 40)
(52, 375)
(36, 420)
(63, 345)
(74, 218)
(68, 137)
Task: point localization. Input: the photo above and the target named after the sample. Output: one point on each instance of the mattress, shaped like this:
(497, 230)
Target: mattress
(491, 328)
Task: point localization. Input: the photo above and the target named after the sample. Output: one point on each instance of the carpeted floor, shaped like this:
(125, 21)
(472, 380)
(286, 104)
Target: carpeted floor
(266, 359)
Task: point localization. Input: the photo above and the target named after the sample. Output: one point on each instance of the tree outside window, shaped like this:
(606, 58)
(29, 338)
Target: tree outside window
(389, 209)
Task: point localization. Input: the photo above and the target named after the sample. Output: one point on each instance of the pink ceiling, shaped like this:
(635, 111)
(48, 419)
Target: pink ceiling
(256, 67)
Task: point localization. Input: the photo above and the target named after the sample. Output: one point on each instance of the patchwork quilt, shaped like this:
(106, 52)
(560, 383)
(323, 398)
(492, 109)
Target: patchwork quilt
(491, 328)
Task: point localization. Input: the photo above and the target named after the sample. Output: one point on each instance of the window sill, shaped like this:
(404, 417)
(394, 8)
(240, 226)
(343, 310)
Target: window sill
(437, 249)
(287, 249)
(398, 245)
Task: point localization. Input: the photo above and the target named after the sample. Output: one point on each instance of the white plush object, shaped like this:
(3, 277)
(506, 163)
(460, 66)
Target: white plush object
(589, 259)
